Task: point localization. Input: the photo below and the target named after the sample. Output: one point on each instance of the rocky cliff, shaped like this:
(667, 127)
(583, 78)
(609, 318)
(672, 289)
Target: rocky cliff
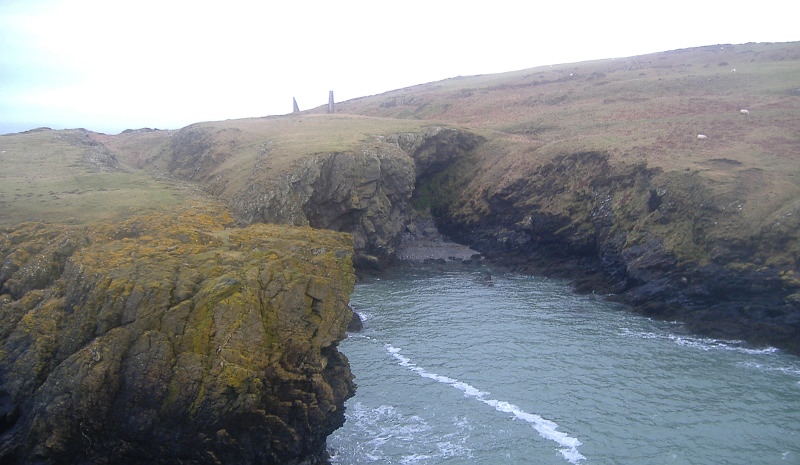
(365, 190)
(659, 241)
(141, 322)
(172, 338)
(707, 235)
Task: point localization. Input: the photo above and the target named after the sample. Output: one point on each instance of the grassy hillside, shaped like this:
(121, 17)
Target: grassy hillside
(641, 104)
(647, 108)
(226, 155)
(740, 182)
(641, 109)
(68, 176)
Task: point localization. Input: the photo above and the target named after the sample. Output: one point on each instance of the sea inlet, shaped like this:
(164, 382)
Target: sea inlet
(468, 365)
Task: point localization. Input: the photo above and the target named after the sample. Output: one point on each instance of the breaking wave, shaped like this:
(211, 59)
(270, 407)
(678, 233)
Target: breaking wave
(546, 428)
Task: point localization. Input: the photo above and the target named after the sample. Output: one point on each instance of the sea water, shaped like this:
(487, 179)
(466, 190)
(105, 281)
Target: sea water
(461, 365)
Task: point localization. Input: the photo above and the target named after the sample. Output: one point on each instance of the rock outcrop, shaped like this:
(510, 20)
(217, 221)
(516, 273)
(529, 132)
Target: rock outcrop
(365, 191)
(172, 338)
(594, 170)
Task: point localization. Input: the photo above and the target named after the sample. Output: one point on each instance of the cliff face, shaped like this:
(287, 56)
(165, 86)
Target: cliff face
(663, 242)
(172, 339)
(365, 191)
(191, 336)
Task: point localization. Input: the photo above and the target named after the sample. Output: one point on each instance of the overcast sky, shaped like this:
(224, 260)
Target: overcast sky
(112, 65)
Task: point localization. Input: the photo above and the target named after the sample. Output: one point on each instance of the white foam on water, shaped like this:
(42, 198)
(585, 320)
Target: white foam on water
(382, 425)
(389, 435)
(791, 370)
(702, 343)
(415, 458)
(546, 428)
(718, 344)
(448, 450)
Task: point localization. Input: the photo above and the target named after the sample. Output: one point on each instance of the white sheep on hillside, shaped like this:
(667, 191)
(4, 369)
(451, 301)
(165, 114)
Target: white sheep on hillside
(744, 112)
(702, 136)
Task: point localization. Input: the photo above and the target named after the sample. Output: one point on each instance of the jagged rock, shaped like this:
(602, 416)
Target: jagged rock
(367, 194)
(172, 339)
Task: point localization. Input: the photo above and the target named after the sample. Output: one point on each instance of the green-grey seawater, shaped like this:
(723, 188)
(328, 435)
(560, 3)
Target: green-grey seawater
(458, 367)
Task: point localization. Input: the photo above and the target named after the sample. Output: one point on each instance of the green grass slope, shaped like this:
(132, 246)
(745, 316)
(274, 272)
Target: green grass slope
(70, 176)
(78, 176)
(226, 155)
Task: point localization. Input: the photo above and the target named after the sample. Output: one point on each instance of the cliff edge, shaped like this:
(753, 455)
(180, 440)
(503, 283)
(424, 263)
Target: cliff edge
(147, 309)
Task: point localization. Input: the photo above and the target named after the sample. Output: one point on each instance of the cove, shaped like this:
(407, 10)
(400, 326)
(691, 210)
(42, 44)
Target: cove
(453, 367)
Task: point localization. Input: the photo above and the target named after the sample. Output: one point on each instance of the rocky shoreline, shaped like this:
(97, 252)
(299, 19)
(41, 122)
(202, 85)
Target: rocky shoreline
(743, 305)
(758, 305)
(436, 251)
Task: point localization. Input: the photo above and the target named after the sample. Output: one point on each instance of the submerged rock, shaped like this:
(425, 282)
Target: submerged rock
(172, 340)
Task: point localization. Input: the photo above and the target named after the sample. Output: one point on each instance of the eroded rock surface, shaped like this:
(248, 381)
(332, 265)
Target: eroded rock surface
(172, 339)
